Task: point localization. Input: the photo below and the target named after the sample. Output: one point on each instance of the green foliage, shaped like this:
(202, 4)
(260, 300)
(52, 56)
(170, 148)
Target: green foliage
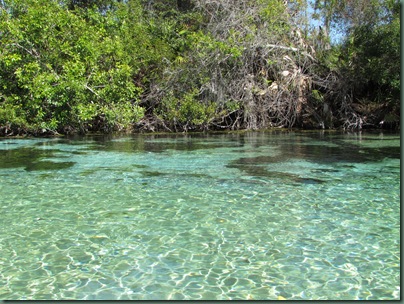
(11, 113)
(101, 5)
(371, 56)
(70, 68)
(274, 16)
(364, 62)
(317, 96)
(187, 111)
(103, 65)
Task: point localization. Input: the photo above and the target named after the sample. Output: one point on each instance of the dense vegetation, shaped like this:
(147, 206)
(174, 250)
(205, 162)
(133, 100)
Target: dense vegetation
(179, 65)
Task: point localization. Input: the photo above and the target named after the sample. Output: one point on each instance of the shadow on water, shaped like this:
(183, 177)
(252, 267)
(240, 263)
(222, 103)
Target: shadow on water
(317, 147)
(48, 165)
(155, 143)
(260, 171)
(31, 159)
(329, 149)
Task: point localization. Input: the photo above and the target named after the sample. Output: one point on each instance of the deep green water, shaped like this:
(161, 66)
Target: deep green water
(257, 215)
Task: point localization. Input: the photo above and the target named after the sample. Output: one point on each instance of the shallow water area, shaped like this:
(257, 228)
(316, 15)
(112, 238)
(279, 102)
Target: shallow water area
(255, 215)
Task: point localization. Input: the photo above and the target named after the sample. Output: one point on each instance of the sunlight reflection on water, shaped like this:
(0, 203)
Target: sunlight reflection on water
(256, 215)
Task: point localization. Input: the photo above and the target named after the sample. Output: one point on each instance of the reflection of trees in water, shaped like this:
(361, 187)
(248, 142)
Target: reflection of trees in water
(299, 146)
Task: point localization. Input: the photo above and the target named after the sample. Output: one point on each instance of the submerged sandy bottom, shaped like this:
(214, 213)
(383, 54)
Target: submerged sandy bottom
(259, 215)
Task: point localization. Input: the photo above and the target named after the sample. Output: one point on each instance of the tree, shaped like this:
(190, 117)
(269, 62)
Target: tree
(181, 65)
(70, 70)
(101, 5)
(370, 57)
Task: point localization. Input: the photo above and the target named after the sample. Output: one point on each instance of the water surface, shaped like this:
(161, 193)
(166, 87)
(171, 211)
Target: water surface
(256, 215)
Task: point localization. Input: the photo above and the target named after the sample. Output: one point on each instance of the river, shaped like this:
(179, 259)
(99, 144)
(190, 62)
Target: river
(246, 215)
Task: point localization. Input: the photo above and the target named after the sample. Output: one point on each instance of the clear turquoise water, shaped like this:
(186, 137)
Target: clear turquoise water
(257, 215)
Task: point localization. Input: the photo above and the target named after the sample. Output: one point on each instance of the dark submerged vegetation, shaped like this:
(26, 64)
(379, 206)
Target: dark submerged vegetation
(77, 66)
